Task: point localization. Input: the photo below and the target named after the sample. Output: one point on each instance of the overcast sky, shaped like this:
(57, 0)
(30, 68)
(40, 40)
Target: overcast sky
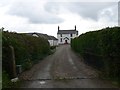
(44, 16)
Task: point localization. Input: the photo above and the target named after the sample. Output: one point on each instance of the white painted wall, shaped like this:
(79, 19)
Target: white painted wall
(50, 42)
(65, 35)
(53, 42)
(56, 42)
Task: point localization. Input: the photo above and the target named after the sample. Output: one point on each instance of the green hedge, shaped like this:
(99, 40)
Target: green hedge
(28, 49)
(101, 49)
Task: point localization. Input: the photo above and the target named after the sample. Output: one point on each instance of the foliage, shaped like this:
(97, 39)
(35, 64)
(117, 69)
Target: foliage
(27, 65)
(53, 47)
(6, 81)
(28, 49)
(101, 49)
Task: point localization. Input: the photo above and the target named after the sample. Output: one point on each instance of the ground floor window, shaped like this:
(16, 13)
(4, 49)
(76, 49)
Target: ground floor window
(61, 40)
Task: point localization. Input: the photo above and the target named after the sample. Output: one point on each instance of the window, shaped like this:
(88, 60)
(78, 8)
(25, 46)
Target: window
(77, 33)
(71, 35)
(61, 35)
(61, 39)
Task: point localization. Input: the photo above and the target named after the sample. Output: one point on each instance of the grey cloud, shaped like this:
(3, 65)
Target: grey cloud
(5, 2)
(110, 13)
(49, 14)
(84, 9)
(92, 9)
(34, 13)
(53, 7)
(45, 20)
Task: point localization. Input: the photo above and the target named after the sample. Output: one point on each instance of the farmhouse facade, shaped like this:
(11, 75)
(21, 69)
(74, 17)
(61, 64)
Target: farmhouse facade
(65, 36)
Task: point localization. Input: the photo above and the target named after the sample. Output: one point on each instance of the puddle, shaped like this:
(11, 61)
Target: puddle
(42, 82)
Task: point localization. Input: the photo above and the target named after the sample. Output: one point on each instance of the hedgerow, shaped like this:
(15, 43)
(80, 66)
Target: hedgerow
(28, 50)
(101, 49)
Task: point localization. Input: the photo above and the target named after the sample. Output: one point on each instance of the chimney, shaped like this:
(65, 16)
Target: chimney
(58, 28)
(75, 27)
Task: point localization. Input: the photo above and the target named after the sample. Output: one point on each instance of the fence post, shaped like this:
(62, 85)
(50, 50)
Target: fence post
(13, 64)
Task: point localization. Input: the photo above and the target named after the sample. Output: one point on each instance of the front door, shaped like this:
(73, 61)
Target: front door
(66, 42)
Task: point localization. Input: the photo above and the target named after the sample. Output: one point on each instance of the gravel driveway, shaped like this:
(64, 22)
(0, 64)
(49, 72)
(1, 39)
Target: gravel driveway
(63, 69)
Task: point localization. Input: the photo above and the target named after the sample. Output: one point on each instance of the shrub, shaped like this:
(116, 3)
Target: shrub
(53, 47)
(5, 80)
(28, 49)
(101, 49)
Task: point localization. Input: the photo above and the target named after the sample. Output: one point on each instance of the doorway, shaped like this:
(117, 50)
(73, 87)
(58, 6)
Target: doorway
(66, 42)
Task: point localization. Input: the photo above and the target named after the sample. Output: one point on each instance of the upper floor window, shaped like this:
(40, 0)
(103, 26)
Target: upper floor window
(61, 35)
(71, 35)
(77, 33)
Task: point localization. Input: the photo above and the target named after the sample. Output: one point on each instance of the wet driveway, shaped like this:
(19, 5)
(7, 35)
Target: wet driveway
(63, 69)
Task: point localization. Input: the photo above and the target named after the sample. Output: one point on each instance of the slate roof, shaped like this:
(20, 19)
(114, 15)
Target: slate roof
(67, 32)
(53, 38)
(48, 37)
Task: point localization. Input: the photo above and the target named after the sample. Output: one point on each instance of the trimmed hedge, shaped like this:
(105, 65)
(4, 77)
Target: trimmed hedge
(28, 49)
(101, 49)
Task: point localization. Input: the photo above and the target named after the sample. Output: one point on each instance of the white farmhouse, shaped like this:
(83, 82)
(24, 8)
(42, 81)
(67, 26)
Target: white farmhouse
(65, 36)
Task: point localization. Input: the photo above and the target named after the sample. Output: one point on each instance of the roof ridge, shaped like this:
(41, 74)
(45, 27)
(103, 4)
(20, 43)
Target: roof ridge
(67, 32)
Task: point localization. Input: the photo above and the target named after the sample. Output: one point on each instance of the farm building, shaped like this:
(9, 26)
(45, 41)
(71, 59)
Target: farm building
(51, 39)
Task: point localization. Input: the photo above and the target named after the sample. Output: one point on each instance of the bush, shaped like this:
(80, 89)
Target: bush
(5, 80)
(28, 64)
(101, 49)
(28, 50)
(53, 47)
